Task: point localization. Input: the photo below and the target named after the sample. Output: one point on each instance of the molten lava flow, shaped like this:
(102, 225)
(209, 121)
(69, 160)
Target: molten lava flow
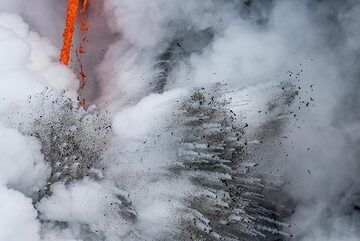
(83, 12)
(72, 14)
(69, 30)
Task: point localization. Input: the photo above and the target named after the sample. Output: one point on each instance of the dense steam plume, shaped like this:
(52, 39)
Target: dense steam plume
(203, 120)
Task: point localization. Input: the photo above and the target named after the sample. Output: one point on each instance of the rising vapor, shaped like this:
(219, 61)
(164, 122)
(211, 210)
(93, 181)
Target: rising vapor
(179, 120)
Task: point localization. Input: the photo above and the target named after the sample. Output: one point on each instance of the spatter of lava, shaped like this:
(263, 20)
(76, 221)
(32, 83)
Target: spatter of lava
(81, 48)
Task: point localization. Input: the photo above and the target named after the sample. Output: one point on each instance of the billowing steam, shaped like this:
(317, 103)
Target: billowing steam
(204, 120)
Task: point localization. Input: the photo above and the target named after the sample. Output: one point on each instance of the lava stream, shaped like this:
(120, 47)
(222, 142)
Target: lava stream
(69, 30)
(72, 13)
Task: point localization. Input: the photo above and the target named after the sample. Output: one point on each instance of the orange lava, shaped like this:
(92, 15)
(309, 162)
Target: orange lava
(69, 30)
(72, 13)
(83, 12)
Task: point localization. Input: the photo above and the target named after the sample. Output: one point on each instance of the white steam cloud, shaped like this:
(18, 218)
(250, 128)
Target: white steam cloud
(289, 69)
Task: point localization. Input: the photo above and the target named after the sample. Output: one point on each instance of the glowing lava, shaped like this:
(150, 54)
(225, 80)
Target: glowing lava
(71, 16)
(69, 30)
